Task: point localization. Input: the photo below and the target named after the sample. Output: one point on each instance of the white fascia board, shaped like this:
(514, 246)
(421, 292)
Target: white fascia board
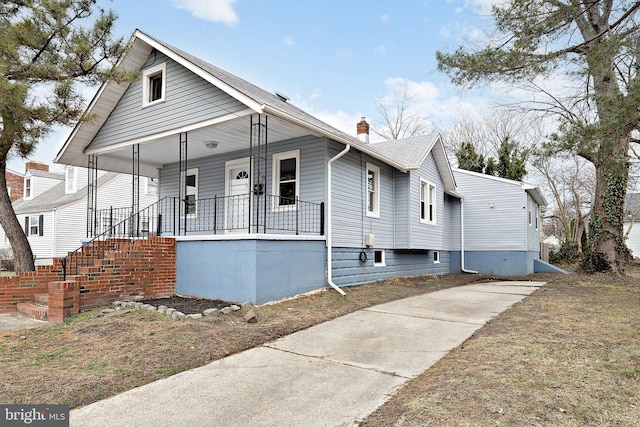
(352, 141)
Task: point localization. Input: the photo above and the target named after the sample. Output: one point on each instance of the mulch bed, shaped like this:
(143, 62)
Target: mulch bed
(188, 305)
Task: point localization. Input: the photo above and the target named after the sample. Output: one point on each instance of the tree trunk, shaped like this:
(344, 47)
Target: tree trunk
(13, 229)
(607, 215)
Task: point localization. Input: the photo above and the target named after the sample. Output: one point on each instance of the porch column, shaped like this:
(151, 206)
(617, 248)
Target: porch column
(258, 167)
(135, 192)
(182, 195)
(92, 196)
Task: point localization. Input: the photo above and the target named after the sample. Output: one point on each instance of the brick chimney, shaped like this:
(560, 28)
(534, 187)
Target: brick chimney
(363, 130)
(33, 165)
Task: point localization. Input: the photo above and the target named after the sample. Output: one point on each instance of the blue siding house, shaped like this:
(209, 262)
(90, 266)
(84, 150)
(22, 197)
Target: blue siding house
(264, 200)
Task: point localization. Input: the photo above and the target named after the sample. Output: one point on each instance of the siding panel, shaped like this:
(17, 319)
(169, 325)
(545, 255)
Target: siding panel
(189, 99)
(426, 236)
(495, 213)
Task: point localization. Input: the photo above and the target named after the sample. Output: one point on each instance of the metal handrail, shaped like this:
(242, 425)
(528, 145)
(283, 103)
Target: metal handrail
(171, 216)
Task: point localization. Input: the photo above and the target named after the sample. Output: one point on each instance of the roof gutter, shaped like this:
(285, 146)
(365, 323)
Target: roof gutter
(268, 109)
(329, 251)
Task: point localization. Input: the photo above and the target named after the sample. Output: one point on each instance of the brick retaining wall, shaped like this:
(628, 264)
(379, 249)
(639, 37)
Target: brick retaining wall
(139, 270)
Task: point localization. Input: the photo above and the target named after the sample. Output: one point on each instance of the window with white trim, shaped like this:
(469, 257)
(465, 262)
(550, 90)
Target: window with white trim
(436, 257)
(191, 192)
(151, 186)
(427, 202)
(154, 83)
(373, 191)
(34, 225)
(286, 179)
(27, 188)
(70, 180)
(378, 258)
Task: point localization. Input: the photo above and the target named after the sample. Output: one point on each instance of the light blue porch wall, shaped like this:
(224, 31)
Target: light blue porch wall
(188, 99)
(501, 263)
(250, 270)
(348, 270)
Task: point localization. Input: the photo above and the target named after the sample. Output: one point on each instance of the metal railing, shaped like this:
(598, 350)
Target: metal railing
(172, 217)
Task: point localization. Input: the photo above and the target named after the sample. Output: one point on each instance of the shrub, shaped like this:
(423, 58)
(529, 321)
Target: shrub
(568, 252)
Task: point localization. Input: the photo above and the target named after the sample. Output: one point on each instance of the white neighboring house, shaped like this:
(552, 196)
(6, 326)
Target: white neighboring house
(632, 223)
(53, 211)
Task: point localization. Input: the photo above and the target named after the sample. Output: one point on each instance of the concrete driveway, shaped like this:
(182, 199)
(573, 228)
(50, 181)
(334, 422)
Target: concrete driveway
(332, 374)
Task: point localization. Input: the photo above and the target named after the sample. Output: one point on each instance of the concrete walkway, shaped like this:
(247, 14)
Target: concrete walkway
(332, 374)
(13, 321)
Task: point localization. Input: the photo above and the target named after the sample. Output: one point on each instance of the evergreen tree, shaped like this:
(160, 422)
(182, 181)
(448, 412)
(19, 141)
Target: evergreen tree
(511, 161)
(469, 159)
(45, 53)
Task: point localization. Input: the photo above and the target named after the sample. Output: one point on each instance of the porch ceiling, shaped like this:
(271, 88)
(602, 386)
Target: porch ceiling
(231, 135)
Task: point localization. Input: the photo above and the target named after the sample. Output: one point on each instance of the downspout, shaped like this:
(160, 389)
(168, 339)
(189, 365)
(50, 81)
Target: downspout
(464, 270)
(329, 254)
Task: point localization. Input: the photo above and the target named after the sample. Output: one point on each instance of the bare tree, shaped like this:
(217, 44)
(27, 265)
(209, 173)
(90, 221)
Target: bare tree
(571, 181)
(398, 121)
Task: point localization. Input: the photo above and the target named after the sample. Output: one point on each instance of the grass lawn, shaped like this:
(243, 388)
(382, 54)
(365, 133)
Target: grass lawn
(569, 354)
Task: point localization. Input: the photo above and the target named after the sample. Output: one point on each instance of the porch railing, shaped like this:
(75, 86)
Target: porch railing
(172, 217)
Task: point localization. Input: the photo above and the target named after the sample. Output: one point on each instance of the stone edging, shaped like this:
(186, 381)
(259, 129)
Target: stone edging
(175, 314)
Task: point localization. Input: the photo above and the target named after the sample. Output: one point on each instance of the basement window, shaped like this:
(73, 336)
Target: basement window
(154, 83)
(436, 257)
(378, 258)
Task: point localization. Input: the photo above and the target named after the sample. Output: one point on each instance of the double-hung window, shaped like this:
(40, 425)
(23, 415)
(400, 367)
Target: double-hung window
(286, 179)
(70, 180)
(373, 191)
(34, 225)
(427, 202)
(27, 188)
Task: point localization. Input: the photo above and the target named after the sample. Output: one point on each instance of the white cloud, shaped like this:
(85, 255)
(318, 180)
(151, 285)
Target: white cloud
(431, 102)
(385, 18)
(340, 120)
(380, 50)
(315, 94)
(288, 41)
(444, 32)
(210, 10)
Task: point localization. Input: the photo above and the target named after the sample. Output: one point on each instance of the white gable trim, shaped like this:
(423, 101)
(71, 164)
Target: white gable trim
(231, 91)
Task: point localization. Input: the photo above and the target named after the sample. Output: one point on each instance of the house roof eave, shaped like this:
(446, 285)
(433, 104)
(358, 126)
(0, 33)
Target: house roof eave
(336, 136)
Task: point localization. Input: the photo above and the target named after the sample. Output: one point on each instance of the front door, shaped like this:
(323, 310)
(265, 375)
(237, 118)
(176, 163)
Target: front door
(237, 201)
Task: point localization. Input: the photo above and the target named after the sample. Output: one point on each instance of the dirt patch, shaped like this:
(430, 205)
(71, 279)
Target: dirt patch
(188, 305)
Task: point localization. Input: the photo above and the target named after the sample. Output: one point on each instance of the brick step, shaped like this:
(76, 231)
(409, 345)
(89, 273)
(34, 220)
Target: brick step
(41, 299)
(34, 311)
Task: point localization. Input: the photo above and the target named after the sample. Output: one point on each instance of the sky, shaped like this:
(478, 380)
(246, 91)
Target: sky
(336, 59)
